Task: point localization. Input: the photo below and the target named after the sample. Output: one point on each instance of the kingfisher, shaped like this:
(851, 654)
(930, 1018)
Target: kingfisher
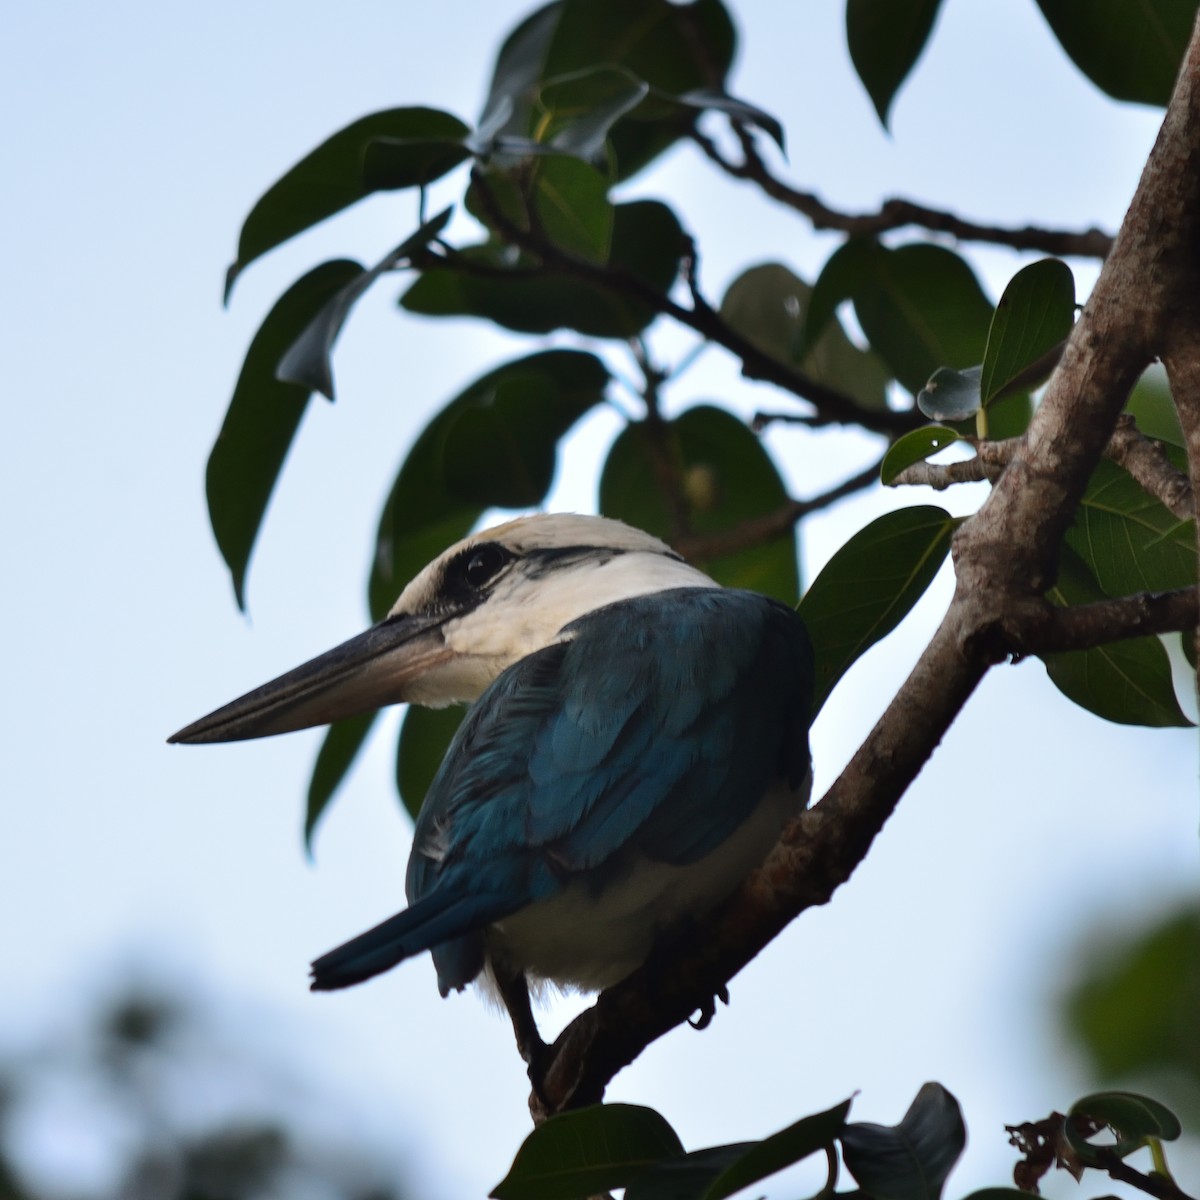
(636, 739)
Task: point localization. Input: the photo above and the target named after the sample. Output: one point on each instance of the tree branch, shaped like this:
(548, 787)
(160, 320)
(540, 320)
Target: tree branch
(1005, 558)
(897, 213)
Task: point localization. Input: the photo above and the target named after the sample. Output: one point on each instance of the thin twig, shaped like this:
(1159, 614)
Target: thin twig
(897, 213)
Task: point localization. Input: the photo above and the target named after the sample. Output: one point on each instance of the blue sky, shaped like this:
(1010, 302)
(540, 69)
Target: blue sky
(136, 139)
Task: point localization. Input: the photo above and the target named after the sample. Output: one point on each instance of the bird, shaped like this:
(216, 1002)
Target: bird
(636, 739)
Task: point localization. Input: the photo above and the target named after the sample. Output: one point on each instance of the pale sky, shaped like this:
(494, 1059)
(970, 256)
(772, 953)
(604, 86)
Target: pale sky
(137, 138)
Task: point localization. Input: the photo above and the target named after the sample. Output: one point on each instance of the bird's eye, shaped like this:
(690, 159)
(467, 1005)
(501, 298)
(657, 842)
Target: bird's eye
(482, 563)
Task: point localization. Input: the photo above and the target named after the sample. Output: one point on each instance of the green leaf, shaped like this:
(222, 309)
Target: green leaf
(423, 514)
(920, 306)
(685, 1177)
(951, 395)
(909, 1161)
(581, 108)
(727, 477)
(709, 99)
(581, 1153)
(914, 447)
(392, 163)
(768, 304)
(331, 178)
(780, 1150)
(308, 359)
(1133, 1003)
(424, 739)
(1034, 315)
(1131, 1116)
(1130, 541)
(1128, 682)
(1153, 407)
(869, 586)
(261, 421)
(886, 38)
(1130, 49)
(647, 241)
(339, 748)
(571, 200)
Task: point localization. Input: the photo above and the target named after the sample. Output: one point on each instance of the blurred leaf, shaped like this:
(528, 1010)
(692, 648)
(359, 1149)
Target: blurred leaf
(501, 450)
(1133, 1003)
(909, 1161)
(727, 477)
(339, 748)
(1130, 49)
(768, 305)
(886, 38)
(581, 108)
(914, 447)
(264, 414)
(588, 1151)
(331, 177)
(423, 515)
(780, 1150)
(1128, 682)
(392, 163)
(920, 306)
(307, 361)
(572, 205)
(951, 395)
(1153, 407)
(1034, 315)
(424, 738)
(739, 110)
(1130, 541)
(1009, 416)
(869, 586)
(647, 241)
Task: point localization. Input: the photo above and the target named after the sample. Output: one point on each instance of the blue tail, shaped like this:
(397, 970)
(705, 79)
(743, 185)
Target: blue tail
(439, 917)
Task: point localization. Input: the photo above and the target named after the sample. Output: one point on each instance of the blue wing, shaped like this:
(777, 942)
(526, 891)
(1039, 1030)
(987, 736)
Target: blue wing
(657, 726)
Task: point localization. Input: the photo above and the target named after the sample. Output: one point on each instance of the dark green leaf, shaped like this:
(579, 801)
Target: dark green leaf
(580, 109)
(869, 586)
(1130, 49)
(423, 515)
(909, 1161)
(686, 1176)
(1153, 407)
(501, 450)
(780, 1150)
(886, 38)
(1134, 1002)
(261, 421)
(920, 306)
(1131, 1116)
(1128, 682)
(740, 110)
(1009, 416)
(339, 749)
(647, 241)
(951, 395)
(1034, 315)
(331, 178)
(572, 205)
(726, 476)
(914, 447)
(308, 359)
(424, 738)
(768, 304)
(392, 163)
(581, 1153)
(1129, 540)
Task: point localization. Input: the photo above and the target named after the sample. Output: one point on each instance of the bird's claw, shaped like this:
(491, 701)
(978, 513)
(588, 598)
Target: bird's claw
(708, 1009)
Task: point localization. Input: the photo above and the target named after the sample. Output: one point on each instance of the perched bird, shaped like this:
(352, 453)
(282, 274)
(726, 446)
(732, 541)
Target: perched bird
(638, 736)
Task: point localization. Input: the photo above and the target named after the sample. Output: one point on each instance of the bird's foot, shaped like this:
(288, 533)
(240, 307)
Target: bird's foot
(708, 1010)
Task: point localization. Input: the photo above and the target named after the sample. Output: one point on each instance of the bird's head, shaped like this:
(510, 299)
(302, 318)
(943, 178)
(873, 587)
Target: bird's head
(479, 607)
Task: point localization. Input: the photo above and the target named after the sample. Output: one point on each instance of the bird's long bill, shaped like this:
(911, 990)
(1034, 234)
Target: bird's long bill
(364, 673)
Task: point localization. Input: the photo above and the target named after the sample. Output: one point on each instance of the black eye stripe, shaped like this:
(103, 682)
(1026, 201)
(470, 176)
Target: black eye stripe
(469, 572)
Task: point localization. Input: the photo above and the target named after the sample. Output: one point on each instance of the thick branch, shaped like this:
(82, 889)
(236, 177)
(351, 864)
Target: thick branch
(897, 213)
(1005, 558)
